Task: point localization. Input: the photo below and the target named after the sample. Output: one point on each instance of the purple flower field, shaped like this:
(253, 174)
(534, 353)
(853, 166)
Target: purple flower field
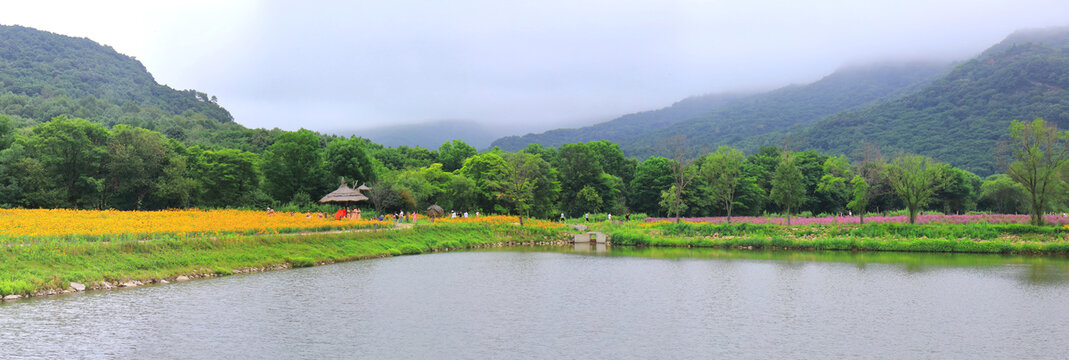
(921, 219)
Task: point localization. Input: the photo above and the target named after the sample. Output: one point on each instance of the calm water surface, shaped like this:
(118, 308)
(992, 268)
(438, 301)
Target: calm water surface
(574, 303)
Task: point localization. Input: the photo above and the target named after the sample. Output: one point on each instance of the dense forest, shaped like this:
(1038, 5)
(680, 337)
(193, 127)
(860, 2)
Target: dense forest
(125, 142)
(75, 163)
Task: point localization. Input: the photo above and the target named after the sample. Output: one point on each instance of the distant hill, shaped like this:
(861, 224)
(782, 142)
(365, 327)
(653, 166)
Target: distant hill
(712, 120)
(624, 127)
(43, 75)
(429, 135)
(790, 107)
(960, 117)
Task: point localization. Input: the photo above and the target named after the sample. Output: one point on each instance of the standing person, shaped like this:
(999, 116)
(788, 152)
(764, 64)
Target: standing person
(586, 218)
(340, 214)
(627, 217)
(453, 215)
(465, 214)
(358, 217)
(402, 219)
(476, 214)
(561, 217)
(414, 216)
(610, 218)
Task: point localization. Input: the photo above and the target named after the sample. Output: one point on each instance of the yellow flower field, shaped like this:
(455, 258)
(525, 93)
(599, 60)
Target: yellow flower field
(501, 220)
(36, 223)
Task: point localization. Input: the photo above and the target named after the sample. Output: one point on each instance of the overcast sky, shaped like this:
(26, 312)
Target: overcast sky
(538, 64)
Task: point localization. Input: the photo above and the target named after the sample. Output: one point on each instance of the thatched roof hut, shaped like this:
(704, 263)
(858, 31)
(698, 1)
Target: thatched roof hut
(363, 187)
(344, 194)
(435, 211)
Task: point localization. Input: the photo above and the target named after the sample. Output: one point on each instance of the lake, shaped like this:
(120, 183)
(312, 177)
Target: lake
(585, 302)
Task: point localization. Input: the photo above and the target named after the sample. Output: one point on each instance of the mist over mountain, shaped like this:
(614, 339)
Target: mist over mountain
(430, 134)
(710, 120)
(961, 117)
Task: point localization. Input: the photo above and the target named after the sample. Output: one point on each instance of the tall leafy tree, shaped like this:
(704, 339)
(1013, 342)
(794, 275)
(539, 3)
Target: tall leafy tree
(346, 157)
(788, 187)
(453, 153)
(722, 171)
(579, 168)
(294, 164)
(1002, 194)
(72, 155)
(861, 196)
(652, 177)
(531, 185)
(914, 178)
(137, 162)
(1040, 152)
(834, 183)
(489, 172)
(683, 173)
(225, 177)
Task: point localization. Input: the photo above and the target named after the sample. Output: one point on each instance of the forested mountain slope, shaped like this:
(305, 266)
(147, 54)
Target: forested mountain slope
(624, 127)
(789, 107)
(712, 120)
(961, 117)
(44, 75)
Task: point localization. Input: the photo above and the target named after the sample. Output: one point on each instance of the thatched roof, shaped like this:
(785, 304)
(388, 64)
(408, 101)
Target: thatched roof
(435, 211)
(363, 187)
(344, 194)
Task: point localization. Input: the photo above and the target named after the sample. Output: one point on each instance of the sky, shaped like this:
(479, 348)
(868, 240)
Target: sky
(516, 65)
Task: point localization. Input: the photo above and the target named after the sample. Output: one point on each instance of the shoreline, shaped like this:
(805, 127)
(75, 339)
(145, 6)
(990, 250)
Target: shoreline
(408, 241)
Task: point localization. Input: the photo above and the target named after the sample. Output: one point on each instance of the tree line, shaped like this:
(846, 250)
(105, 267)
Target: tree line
(75, 163)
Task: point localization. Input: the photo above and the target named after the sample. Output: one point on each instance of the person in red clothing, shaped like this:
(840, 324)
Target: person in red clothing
(340, 214)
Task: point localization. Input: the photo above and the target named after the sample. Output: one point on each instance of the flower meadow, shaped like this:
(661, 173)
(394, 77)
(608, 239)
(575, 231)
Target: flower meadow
(500, 220)
(1059, 220)
(113, 224)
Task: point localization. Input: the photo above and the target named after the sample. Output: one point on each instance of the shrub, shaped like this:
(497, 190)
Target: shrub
(410, 249)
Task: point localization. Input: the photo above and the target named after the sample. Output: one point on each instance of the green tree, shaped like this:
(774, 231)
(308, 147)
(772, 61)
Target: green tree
(588, 200)
(579, 168)
(1001, 194)
(453, 153)
(683, 175)
(833, 184)
(137, 162)
(6, 129)
(788, 188)
(71, 155)
(671, 204)
(652, 177)
(722, 171)
(294, 164)
(347, 158)
(861, 196)
(1040, 151)
(489, 172)
(914, 178)
(225, 177)
(531, 185)
(961, 192)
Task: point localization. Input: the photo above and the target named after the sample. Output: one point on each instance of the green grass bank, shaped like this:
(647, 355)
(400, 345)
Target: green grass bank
(961, 238)
(48, 267)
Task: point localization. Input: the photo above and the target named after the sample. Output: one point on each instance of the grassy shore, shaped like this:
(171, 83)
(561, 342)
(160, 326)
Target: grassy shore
(964, 238)
(42, 267)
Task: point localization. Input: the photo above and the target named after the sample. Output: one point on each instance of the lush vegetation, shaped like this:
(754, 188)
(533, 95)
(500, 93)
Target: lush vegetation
(961, 117)
(31, 267)
(972, 238)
